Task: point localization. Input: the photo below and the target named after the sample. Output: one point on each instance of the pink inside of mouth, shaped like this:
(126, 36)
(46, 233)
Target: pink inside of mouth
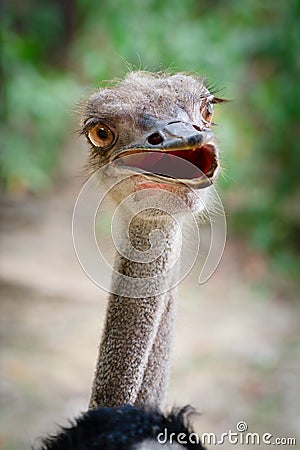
(187, 164)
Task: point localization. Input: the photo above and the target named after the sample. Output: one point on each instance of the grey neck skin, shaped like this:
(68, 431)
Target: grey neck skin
(134, 355)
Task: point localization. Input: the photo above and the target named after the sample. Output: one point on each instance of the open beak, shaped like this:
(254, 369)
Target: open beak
(196, 163)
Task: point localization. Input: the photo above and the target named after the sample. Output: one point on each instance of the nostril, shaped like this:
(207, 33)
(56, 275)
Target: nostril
(155, 139)
(197, 128)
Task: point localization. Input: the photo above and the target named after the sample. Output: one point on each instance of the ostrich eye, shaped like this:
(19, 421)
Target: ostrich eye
(207, 111)
(100, 135)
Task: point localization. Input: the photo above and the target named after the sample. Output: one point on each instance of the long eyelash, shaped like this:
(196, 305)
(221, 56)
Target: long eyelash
(220, 100)
(214, 88)
(85, 129)
(88, 124)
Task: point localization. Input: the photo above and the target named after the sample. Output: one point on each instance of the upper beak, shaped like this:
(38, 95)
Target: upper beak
(180, 135)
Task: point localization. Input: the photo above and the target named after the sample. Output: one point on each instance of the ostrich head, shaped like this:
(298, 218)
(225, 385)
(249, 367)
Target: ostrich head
(158, 127)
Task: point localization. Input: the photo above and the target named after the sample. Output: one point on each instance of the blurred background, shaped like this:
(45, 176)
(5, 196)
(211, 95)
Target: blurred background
(237, 346)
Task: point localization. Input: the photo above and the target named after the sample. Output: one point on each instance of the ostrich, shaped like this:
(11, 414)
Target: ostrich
(140, 125)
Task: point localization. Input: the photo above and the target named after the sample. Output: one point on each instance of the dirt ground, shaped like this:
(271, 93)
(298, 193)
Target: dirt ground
(236, 353)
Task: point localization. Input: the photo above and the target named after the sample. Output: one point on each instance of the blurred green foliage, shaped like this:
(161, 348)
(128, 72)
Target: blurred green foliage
(52, 48)
(38, 93)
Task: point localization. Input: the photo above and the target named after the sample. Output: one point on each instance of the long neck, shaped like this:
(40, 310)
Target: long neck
(134, 355)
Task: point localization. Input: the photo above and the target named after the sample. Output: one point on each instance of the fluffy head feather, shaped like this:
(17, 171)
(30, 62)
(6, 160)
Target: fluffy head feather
(122, 428)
